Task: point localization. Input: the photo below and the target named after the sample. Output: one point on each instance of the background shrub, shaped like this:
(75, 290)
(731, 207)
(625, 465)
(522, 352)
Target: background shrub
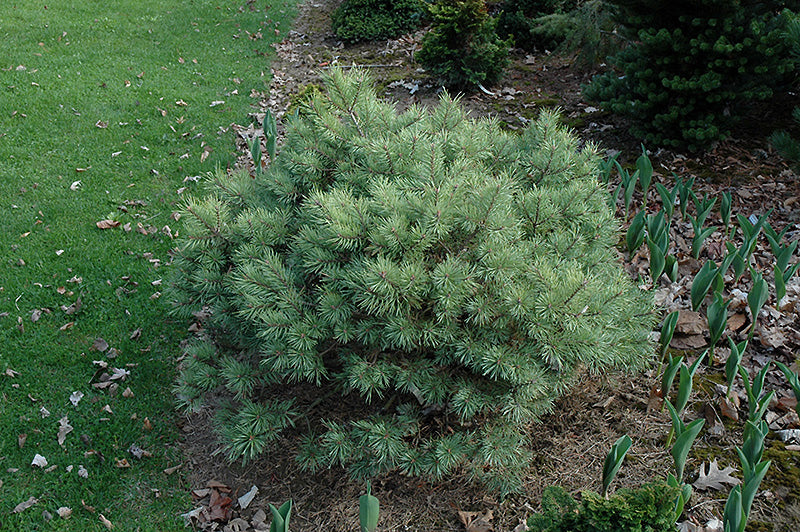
(462, 48)
(534, 24)
(370, 20)
(650, 508)
(788, 146)
(452, 277)
(692, 66)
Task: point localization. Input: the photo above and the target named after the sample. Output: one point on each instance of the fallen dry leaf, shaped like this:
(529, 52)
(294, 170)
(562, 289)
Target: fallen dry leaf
(475, 521)
(771, 337)
(247, 498)
(64, 512)
(139, 453)
(219, 507)
(171, 470)
(107, 224)
(146, 425)
(690, 323)
(73, 308)
(106, 522)
(82, 472)
(39, 461)
(21, 439)
(75, 398)
(122, 463)
(25, 505)
(100, 345)
(127, 393)
(64, 428)
(715, 478)
(119, 374)
(100, 124)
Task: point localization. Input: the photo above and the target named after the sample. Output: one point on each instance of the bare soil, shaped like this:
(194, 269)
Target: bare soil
(571, 443)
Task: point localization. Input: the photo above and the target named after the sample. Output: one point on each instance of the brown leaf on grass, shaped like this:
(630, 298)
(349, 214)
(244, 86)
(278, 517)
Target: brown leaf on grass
(135, 335)
(73, 308)
(36, 314)
(475, 521)
(11, 373)
(171, 470)
(64, 428)
(64, 512)
(25, 505)
(139, 453)
(147, 425)
(100, 124)
(21, 439)
(75, 397)
(127, 393)
(86, 507)
(122, 463)
(107, 224)
(119, 374)
(715, 478)
(68, 325)
(100, 345)
(106, 522)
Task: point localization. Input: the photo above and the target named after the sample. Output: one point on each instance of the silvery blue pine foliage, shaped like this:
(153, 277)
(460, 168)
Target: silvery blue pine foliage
(450, 278)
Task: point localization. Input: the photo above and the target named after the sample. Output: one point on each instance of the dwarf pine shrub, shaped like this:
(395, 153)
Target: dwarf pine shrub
(462, 48)
(369, 20)
(649, 508)
(692, 67)
(452, 277)
(534, 24)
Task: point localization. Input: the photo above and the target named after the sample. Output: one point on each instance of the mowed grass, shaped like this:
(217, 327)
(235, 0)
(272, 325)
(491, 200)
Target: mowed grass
(108, 110)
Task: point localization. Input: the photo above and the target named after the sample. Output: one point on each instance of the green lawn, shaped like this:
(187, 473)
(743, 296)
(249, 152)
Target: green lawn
(106, 108)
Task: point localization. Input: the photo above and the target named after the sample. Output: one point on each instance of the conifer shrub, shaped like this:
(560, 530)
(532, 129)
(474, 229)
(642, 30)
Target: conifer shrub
(370, 20)
(692, 66)
(783, 141)
(462, 48)
(649, 508)
(534, 24)
(451, 277)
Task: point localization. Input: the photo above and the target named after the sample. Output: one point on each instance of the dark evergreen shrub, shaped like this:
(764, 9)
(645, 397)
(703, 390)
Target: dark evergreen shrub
(462, 48)
(650, 508)
(782, 141)
(693, 66)
(534, 24)
(370, 20)
(452, 277)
